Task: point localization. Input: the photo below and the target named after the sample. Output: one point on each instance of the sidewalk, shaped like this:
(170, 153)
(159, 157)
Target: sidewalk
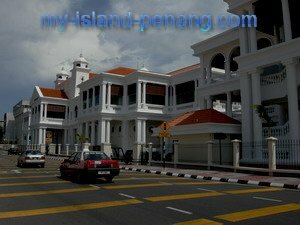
(231, 177)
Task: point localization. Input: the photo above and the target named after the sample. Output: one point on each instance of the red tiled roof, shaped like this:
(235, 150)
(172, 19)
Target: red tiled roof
(121, 71)
(53, 93)
(202, 116)
(93, 75)
(185, 69)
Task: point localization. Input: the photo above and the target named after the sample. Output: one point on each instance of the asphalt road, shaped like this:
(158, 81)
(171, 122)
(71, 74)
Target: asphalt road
(39, 196)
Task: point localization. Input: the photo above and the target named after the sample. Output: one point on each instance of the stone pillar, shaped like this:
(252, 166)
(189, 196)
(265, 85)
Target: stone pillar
(67, 149)
(209, 153)
(203, 71)
(144, 94)
(166, 96)
(176, 153)
(227, 68)
(93, 133)
(209, 74)
(272, 154)
(138, 94)
(103, 96)
(76, 147)
(286, 20)
(40, 136)
(252, 31)
(65, 136)
(174, 96)
(59, 149)
(124, 99)
(243, 40)
(85, 146)
(292, 89)
(43, 148)
(44, 136)
(256, 100)
(229, 105)
(140, 132)
(150, 153)
(107, 132)
(236, 153)
(41, 111)
(247, 111)
(109, 96)
(125, 133)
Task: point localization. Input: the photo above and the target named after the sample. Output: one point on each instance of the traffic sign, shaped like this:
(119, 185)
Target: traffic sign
(164, 135)
(164, 126)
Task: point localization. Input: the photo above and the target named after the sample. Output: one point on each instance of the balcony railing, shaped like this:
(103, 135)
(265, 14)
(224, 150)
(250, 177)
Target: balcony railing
(273, 78)
(278, 131)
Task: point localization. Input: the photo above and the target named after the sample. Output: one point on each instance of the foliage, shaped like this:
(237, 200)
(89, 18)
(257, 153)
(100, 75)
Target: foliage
(81, 138)
(264, 116)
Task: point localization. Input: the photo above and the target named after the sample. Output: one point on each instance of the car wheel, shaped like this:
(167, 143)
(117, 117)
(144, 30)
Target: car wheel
(80, 178)
(109, 179)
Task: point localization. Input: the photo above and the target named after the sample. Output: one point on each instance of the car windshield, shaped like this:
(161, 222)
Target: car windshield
(33, 152)
(95, 156)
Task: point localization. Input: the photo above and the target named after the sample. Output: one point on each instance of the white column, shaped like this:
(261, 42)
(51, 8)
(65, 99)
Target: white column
(286, 20)
(144, 94)
(103, 96)
(174, 96)
(87, 129)
(102, 128)
(209, 74)
(209, 102)
(124, 100)
(143, 131)
(41, 111)
(44, 136)
(138, 131)
(247, 111)
(138, 94)
(125, 132)
(46, 108)
(40, 136)
(243, 40)
(252, 31)
(93, 133)
(109, 96)
(203, 71)
(107, 132)
(65, 136)
(229, 104)
(227, 68)
(256, 100)
(293, 105)
(167, 96)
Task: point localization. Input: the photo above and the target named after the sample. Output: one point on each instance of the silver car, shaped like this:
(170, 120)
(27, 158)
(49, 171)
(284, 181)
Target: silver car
(31, 157)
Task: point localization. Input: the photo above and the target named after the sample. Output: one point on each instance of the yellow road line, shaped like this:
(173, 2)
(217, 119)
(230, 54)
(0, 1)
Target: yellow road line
(183, 196)
(255, 213)
(197, 183)
(20, 176)
(135, 186)
(63, 209)
(253, 190)
(199, 222)
(33, 183)
(18, 194)
(148, 178)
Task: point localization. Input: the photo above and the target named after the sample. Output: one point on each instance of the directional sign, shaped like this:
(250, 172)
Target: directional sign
(165, 126)
(164, 135)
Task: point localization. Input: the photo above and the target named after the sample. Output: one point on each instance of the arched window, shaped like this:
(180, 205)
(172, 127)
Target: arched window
(263, 43)
(78, 64)
(76, 111)
(218, 61)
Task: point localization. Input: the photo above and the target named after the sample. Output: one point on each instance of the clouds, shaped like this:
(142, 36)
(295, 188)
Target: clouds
(32, 56)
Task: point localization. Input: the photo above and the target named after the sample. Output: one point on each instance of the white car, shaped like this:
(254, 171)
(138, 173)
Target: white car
(31, 157)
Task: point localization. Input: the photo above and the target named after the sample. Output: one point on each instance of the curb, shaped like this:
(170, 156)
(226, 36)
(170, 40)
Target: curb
(225, 180)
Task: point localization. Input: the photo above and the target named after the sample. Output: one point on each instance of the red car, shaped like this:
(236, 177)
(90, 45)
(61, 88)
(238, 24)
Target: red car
(90, 164)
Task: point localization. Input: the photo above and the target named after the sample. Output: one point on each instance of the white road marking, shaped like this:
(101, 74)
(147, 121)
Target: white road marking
(268, 199)
(179, 210)
(16, 171)
(203, 189)
(94, 186)
(127, 196)
(164, 183)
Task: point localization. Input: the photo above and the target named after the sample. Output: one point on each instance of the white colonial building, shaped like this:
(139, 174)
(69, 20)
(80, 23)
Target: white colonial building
(238, 68)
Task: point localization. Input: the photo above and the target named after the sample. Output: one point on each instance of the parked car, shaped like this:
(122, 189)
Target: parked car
(14, 151)
(90, 164)
(31, 157)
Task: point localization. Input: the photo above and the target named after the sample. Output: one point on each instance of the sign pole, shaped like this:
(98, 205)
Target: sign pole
(164, 153)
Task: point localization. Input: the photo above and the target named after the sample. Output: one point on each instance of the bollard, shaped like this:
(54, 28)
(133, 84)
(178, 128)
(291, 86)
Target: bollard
(67, 149)
(59, 149)
(236, 153)
(272, 154)
(150, 153)
(76, 147)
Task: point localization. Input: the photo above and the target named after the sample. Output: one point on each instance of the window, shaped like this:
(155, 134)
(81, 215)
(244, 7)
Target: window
(78, 64)
(116, 94)
(76, 111)
(185, 92)
(120, 128)
(91, 97)
(94, 156)
(84, 99)
(113, 129)
(150, 129)
(56, 111)
(97, 95)
(155, 94)
(131, 92)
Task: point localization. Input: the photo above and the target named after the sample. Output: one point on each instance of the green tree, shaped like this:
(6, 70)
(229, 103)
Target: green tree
(81, 138)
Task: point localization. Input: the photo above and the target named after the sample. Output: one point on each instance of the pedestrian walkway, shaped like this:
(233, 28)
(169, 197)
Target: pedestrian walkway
(231, 177)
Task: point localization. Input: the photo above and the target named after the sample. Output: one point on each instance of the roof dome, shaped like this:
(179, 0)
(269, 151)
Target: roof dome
(63, 72)
(81, 59)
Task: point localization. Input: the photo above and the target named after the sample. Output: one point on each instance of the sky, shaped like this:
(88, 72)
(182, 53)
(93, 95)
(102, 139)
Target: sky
(31, 56)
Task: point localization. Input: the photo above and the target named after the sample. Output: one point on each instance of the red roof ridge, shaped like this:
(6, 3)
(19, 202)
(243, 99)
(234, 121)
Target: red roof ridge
(184, 69)
(53, 93)
(121, 70)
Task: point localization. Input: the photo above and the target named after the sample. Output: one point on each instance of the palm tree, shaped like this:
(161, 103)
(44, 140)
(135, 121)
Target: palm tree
(264, 116)
(81, 138)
